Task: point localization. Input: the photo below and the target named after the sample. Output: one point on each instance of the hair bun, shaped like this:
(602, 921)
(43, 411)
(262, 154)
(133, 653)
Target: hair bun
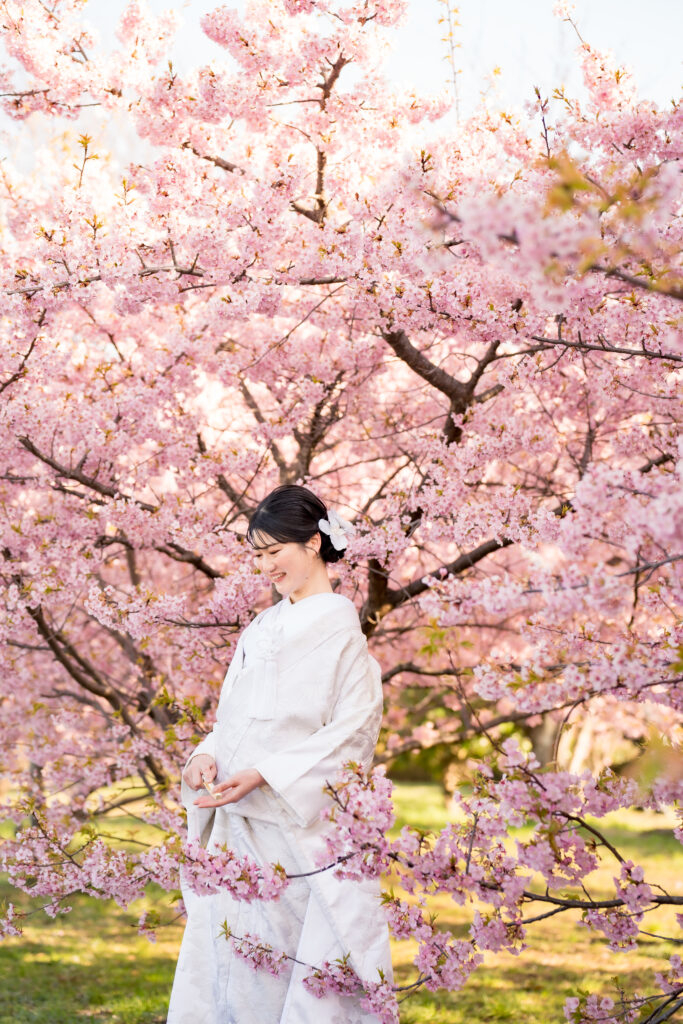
(328, 552)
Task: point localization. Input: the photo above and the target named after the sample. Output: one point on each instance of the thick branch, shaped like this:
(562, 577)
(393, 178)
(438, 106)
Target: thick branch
(454, 389)
(317, 213)
(328, 84)
(325, 414)
(56, 286)
(76, 473)
(665, 1011)
(460, 393)
(171, 549)
(279, 458)
(376, 606)
(87, 677)
(180, 554)
(392, 598)
(485, 360)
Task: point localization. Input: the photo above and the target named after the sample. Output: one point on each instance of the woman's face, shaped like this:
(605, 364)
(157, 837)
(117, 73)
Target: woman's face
(287, 565)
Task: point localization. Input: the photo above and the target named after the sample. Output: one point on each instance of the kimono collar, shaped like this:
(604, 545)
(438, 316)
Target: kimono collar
(318, 615)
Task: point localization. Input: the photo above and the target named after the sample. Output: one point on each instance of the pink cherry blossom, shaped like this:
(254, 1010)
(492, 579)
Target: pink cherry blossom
(469, 345)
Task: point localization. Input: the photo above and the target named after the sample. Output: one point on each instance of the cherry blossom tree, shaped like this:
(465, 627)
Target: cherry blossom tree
(468, 341)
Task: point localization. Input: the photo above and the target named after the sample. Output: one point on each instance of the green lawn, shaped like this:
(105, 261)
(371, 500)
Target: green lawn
(91, 965)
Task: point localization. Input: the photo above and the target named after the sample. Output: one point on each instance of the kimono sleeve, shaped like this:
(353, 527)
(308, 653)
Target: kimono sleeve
(298, 773)
(208, 744)
(200, 819)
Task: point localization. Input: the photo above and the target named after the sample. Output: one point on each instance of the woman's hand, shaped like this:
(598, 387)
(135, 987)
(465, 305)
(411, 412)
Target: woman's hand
(233, 789)
(200, 770)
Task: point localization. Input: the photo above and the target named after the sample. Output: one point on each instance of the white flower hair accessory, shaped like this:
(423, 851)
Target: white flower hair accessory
(339, 530)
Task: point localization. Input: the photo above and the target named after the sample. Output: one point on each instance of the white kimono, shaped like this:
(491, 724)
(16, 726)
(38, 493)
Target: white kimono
(301, 697)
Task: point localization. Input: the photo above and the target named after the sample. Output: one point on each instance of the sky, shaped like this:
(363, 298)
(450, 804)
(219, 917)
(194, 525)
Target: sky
(529, 44)
(524, 40)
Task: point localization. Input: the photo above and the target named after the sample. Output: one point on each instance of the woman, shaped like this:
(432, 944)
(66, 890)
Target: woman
(302, 696)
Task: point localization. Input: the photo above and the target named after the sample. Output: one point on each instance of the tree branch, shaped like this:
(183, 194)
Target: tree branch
(444, 382)
(279, 458)
(218, 161)
(587, 346)
(76, 473)
(83, 673)
(22, 365)
(638, 282)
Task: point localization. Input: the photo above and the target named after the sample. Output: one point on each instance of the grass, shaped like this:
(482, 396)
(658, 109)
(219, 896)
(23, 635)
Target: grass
(91, 965)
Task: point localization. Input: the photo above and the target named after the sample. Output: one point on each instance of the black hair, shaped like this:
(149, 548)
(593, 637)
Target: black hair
(290, 514)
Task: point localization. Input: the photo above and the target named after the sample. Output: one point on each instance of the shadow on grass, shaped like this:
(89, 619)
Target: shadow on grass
(89, 965)
(653, 842)
(37, 986)
(92, 966)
